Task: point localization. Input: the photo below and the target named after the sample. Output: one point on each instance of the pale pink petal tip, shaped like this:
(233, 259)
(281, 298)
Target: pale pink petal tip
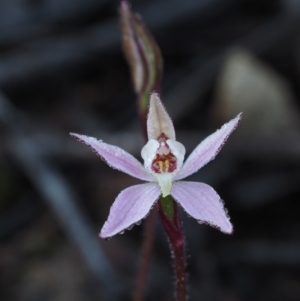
(130, 207)
(116, 157)
(207, 149)
(158, 120)
(201, 202)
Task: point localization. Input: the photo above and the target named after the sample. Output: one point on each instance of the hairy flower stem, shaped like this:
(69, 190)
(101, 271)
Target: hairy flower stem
(169, 216)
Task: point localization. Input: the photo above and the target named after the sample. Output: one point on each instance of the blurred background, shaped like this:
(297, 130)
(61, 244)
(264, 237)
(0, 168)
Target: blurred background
(62, 70)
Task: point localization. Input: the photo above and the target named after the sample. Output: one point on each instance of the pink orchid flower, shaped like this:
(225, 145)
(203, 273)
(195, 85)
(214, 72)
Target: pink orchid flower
(163, 169)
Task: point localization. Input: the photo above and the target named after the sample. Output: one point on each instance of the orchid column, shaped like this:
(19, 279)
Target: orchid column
(163, 156)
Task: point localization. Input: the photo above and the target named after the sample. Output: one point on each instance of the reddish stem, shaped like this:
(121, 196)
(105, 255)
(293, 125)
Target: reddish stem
(174, 231)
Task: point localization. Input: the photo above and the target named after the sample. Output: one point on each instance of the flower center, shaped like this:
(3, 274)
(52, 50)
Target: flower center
(164, 160)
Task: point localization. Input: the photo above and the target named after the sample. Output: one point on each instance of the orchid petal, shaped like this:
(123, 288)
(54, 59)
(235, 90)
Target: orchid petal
(149, 152)
(201, 202)
(207, 149)
(159, 121)
(130, 206)
(178, 150)
(116, 157)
